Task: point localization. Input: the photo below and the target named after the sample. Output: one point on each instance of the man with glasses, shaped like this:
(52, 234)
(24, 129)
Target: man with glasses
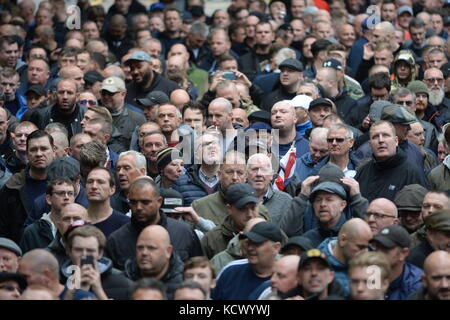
(113, 92)
(381, 213)
(60, 192)
(434, 78)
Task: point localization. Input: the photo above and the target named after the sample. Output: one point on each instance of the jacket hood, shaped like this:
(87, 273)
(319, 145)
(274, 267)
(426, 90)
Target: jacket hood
(17, 181)
(408, 56)
(327, 247)
(234, 247)
(105, 265)
(176, 266)
(228, 227)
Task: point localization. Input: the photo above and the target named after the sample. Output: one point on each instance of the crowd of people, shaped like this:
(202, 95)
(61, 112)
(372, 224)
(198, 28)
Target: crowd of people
(291, 149)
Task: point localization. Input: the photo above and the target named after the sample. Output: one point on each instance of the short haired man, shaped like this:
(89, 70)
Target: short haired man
(65, 111)
(435, 285)
(9, 83)
(59, 193)
(148, 289)
(409, 204)
(353, 238)
(384, 142)
(437, 175)
(18, 160)
(405, 278)
(318, 149)
(99, 277)
(238, 280)
(100, 187)
(10, 254)
(437, 226)
(76, 142)
(202, 179)
(145, 202)
(381, 213)
(359, 276)
(155, 257)
(31, 181)
(145, 79)
(200, 270)
(130, 166)
(151, 102)
(242, 205)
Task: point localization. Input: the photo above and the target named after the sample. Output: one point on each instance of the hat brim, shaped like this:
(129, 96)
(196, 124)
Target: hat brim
(330, 187)
(305, 261)
(386, 242)
(253, 237)
(110, 88)
(132, 60)
(145, 102)
(19, 278)
(170, 211)
(243, 201)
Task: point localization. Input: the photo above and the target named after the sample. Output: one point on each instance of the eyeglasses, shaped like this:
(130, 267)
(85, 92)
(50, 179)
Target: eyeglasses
(405, 102)
(433, 80)
(338, 140)
(90, 102)
(378, 216)
(9, 287)
(64, 193)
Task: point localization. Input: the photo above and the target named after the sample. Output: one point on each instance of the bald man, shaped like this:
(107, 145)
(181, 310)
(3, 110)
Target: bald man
(73, 73)
(179, 98)
(41, 268)
(436, 280)
(381, 213)
(68, 215)
(284, 278)
(155, 258)
(353, 238)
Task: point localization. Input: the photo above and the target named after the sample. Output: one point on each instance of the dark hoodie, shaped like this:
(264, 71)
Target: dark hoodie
(114, 282)
(171, 278)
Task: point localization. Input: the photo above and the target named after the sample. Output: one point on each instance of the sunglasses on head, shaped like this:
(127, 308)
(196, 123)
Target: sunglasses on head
(90, 102)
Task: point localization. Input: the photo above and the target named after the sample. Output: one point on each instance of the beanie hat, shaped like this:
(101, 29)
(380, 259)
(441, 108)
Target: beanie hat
(418, 86)
(165, 156)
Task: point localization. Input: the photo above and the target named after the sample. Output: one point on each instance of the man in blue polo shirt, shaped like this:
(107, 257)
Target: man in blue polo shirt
(239, 278)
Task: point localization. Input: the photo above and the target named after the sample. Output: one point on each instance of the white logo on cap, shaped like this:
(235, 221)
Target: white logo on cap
(109, 81)
(385, 231)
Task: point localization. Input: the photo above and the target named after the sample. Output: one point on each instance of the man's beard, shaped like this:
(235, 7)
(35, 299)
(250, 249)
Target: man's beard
(436, 97)
(144, 81)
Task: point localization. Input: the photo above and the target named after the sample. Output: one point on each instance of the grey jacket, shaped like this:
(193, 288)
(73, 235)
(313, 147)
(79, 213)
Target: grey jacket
(277, 203)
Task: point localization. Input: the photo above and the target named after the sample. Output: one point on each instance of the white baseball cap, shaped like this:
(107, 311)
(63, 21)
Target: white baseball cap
(301, 101)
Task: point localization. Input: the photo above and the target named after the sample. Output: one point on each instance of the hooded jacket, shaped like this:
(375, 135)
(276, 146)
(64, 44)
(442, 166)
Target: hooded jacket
(37, 235)
(217, 239)
(439, 177)
(319, 234)
(114, 282)
(231, 253)
(382, 179)
(340, 269)
(300, 216)
(172, 278)
(407, 56)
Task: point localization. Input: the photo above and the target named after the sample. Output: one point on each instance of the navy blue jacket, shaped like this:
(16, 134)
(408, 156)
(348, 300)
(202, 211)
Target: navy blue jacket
(406, 284)
(319, 234)
(356, 53)
(190, 186)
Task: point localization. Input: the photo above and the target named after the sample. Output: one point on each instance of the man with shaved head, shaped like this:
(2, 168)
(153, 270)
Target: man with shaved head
(353, 238)
(381, 213)
(436, 280)
(145, 202)
(155, 258)
(40, 267)
(179, 98)
(66, 110)
(73, 73)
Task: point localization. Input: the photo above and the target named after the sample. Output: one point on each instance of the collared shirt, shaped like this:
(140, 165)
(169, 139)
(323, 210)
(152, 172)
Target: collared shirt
(210, 182)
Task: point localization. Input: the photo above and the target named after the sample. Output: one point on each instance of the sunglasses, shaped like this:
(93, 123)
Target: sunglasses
(90, 102)
(338, 140)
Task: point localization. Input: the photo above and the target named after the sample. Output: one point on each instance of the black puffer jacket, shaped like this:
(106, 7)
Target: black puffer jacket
(171, 278)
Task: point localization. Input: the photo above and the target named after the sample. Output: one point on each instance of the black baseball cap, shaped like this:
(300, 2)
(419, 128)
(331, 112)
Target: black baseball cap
(64, 167)
(332, 63)
(38, 89)
(17, 277)
(240, 194)
(292, 64)
(313, 254)
(263, 231)
(393, 236)
(299, 241)
(320, 102)
(260, 116)
(153, 98)
(93, 76)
